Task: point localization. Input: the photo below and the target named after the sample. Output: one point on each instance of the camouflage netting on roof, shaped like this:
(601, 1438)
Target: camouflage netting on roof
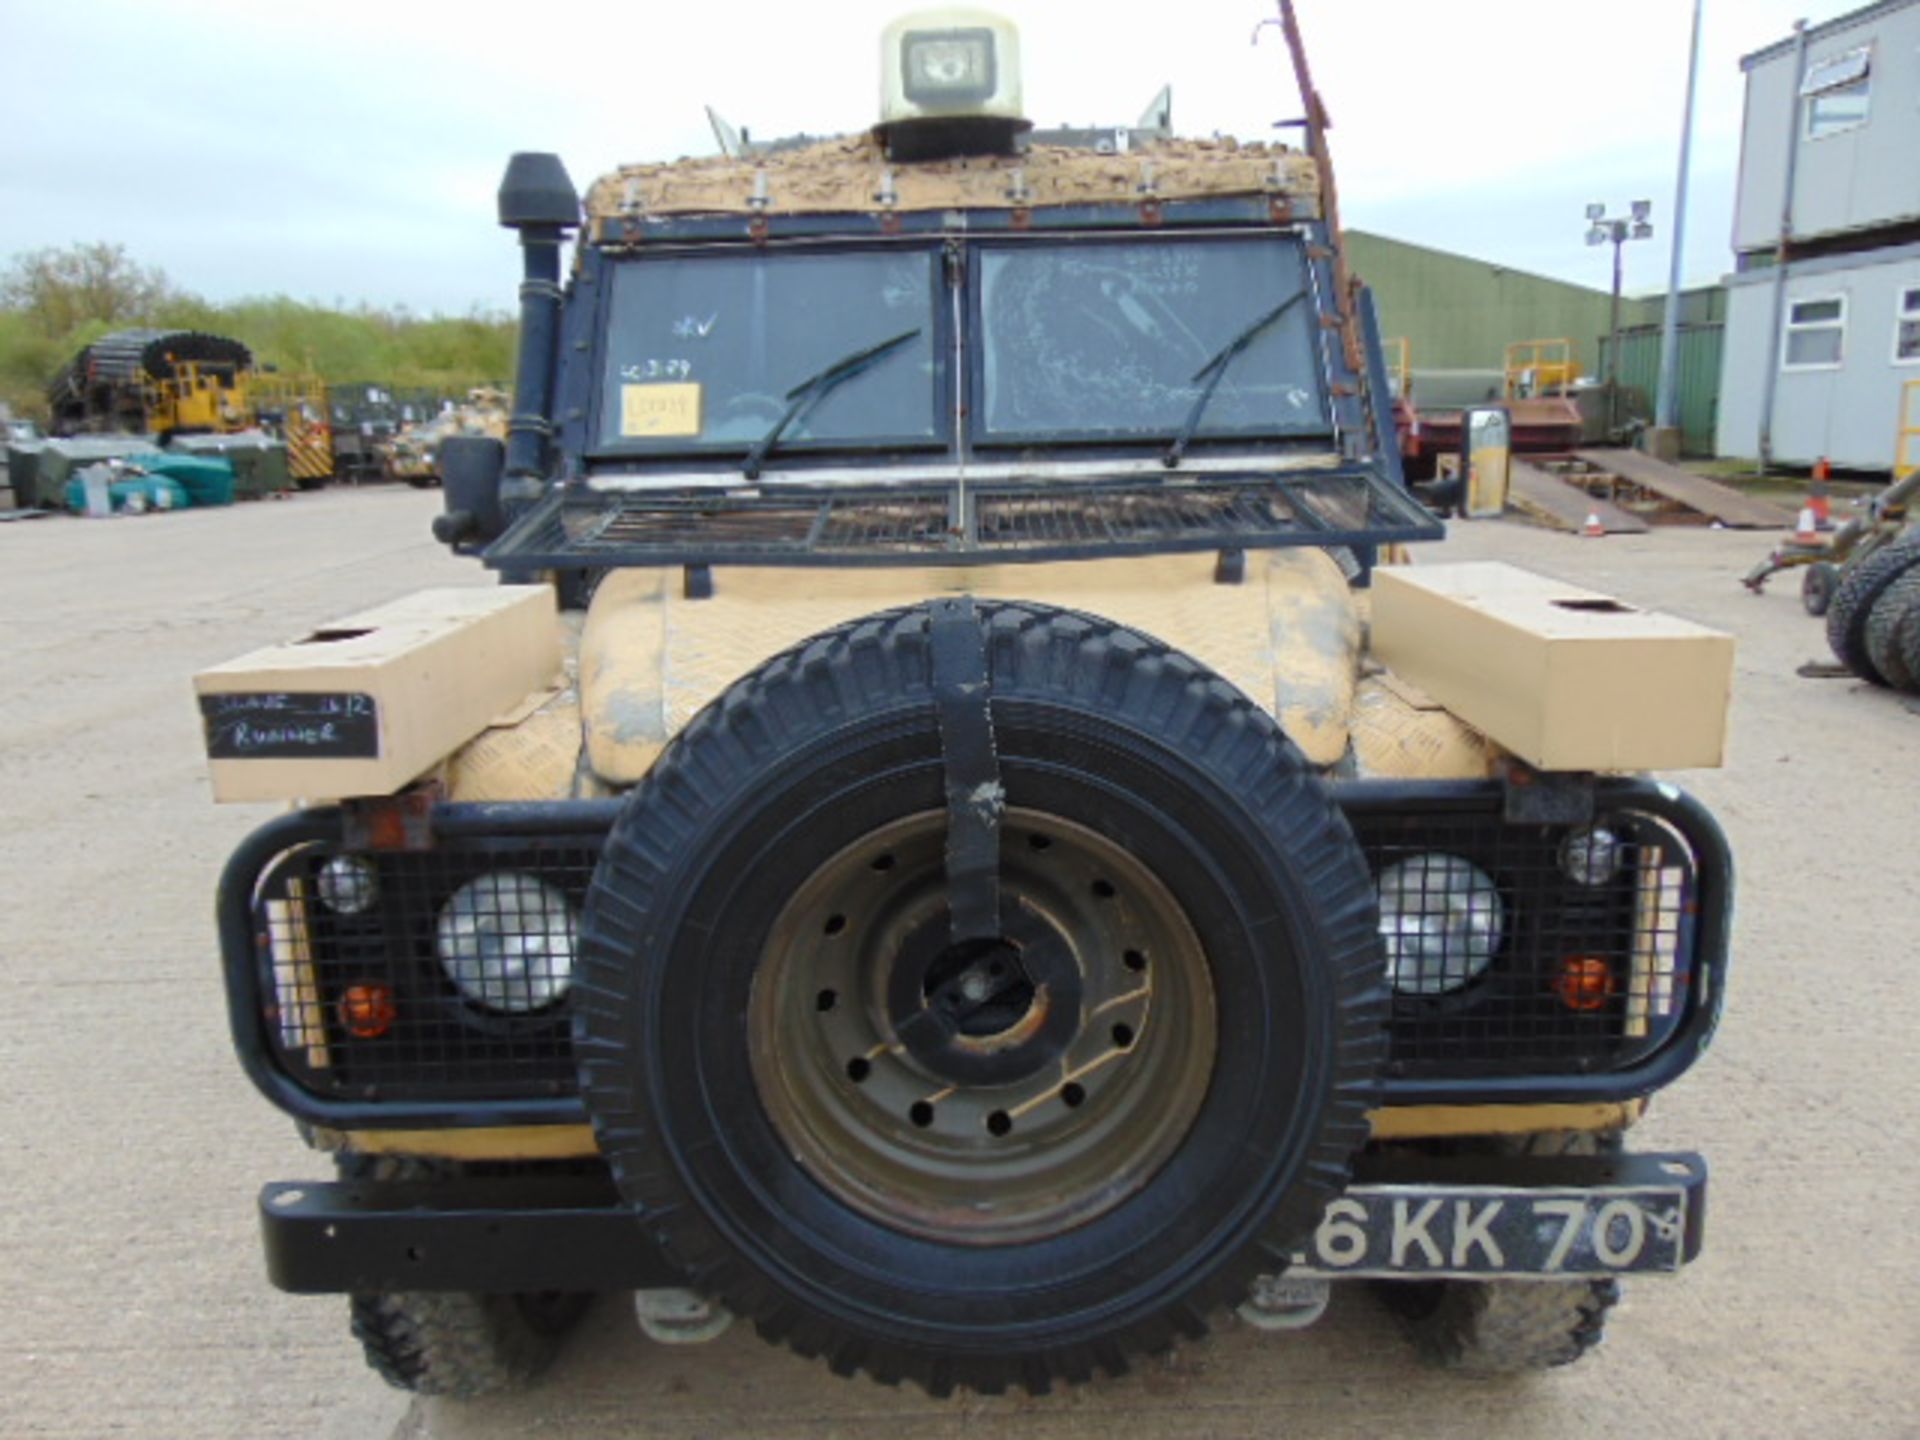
(852, 174)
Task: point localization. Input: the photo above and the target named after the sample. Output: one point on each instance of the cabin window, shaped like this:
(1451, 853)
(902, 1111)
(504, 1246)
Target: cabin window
(1837, 91)
(1906, 328)
(1816, 334)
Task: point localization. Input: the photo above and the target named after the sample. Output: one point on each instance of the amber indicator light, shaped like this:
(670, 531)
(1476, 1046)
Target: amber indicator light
(367, 1010)
(1584, 982)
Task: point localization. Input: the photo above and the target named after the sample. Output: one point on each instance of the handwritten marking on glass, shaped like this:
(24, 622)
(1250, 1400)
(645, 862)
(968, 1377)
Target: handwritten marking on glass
(654, 369)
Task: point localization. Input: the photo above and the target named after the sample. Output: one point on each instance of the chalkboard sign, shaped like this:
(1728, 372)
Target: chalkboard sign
(282, 725)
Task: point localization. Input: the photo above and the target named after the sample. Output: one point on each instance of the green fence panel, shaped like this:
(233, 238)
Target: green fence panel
(1699, 389)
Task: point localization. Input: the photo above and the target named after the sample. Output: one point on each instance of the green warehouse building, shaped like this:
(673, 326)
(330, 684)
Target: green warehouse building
(1459, 314)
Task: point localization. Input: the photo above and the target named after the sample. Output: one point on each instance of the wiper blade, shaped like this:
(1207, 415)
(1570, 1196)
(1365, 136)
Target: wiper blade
(1217, 368)
(814, 388)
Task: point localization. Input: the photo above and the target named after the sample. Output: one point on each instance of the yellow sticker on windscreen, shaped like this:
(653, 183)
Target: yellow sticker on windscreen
(650, 411)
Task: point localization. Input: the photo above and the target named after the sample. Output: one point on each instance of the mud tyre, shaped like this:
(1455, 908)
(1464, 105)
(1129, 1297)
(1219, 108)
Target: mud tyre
(1894, 613)
(1860, 588)
(1907, 638)
(1509, 1327)
(734, 1046)
(454, 1344)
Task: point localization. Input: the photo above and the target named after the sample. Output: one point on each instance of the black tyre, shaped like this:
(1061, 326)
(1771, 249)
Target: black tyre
(1892, 613)
(1509, 1327)
(1907, 638)
(1817, 582)
(1086, 1167)
(453, 1343)
(1861, 585)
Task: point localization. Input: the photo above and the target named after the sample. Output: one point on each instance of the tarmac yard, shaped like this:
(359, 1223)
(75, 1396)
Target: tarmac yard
(133, 1146)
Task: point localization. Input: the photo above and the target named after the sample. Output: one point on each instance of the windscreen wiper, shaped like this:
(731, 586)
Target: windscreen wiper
(813, 389)
(1217, 368)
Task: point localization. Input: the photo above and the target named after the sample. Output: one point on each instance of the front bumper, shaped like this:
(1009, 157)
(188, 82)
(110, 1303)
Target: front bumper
(1405, 1217)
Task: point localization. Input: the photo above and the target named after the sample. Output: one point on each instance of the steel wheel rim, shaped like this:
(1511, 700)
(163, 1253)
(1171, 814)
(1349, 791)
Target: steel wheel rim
(1115, 1072)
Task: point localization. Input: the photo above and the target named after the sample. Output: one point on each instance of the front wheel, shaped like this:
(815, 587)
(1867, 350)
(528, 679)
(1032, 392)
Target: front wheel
(1509, 1327)
(453, 1343)
(461, 1345)
(1009, 1160)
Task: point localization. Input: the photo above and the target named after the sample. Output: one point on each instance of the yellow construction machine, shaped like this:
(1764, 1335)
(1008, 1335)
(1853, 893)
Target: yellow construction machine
(187, 382)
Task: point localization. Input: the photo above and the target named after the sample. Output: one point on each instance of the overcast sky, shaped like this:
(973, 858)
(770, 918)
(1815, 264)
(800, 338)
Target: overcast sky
(350, 151)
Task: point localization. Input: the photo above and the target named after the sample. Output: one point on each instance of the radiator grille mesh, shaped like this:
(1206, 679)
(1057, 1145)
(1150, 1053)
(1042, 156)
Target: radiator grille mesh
(1568, 977)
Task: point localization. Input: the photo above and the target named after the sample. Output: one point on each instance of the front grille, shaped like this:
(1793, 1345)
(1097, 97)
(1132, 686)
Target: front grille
(365, 1007)
(950, 523)
(1583, 977)
(1512, 1014)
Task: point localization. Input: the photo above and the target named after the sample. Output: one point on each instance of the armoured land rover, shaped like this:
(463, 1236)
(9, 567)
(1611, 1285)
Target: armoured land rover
(984, 881)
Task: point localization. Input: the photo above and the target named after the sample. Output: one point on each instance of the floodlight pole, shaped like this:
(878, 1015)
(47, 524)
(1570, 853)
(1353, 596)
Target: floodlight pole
(1666, 408)
(1619, 232)
(1603, 230)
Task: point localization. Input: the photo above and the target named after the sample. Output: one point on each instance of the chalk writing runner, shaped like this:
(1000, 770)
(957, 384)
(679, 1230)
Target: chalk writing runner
(291, 725)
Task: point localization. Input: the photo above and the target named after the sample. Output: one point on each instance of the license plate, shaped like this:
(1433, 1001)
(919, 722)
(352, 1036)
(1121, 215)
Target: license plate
(1410, 1232)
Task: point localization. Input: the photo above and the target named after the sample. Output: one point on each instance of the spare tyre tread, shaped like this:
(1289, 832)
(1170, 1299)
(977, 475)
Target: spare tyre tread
(1861, 585)
(882, 663)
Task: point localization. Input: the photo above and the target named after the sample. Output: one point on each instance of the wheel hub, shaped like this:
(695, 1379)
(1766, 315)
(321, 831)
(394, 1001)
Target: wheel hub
(993, 1090)
(989, 1012)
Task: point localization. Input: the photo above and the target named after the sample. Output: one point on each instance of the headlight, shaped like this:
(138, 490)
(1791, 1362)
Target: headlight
(1442, 920)
(1591, 857)
(507, 942)
(348, 884)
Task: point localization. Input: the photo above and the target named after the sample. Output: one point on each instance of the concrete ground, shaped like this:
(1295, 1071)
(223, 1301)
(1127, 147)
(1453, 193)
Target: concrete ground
(135, 1302)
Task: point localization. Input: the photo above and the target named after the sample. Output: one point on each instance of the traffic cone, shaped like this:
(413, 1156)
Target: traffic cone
(1819, 498)
(1593, 529)
(1807, 530)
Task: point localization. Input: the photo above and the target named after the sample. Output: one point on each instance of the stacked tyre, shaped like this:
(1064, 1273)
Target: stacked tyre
(1873, 623)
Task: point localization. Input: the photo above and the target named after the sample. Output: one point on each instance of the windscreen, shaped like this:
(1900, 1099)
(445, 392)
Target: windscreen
(704, 352)
(1118, 340)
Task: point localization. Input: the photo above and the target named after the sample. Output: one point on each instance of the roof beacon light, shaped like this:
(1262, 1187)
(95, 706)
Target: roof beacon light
(950, 85)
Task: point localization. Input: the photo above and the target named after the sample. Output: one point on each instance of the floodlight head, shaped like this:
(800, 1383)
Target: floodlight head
(1643, 231)
(1594, 212)
(1597, 235)
(950, 85)
(1642, 211)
